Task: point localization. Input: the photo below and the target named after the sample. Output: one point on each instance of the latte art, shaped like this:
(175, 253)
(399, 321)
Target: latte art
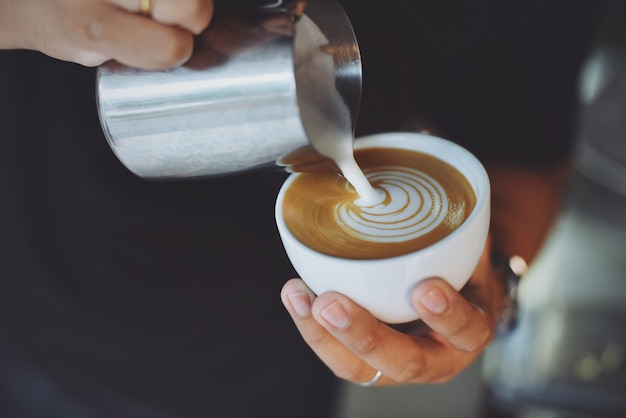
(414, 205)
(423, 200)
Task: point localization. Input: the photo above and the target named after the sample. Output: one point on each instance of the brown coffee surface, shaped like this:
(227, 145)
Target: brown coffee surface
(425, 200)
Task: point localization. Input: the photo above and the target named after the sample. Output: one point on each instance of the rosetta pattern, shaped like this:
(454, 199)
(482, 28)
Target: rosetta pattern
(415, 204)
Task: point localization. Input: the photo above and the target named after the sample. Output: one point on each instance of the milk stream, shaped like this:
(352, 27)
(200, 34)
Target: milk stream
(325, 115)
(334, 139)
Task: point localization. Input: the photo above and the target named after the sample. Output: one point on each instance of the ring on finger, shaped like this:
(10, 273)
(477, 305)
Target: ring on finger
(146, 7)
(374, 380)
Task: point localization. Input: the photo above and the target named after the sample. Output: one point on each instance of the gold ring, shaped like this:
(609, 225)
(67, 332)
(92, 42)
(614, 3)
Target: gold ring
(146, 7)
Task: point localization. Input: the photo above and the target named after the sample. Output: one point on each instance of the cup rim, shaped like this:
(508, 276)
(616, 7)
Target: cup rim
(368, 141)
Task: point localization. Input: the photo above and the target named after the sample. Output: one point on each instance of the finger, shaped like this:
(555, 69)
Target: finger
(193, 15)
(400, 357)
(463, 324)
(298, 298)
(139, 42)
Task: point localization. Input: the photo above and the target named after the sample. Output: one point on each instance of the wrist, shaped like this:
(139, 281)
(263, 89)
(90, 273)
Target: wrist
(510, 271)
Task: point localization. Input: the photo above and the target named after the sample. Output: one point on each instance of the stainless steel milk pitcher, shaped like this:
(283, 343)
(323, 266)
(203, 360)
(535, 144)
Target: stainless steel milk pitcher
(236, 105)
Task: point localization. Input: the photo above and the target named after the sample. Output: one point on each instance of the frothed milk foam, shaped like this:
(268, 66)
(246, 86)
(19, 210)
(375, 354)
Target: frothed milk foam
(424, 200)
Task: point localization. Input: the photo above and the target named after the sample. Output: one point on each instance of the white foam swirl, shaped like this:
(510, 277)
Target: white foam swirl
(416, 204)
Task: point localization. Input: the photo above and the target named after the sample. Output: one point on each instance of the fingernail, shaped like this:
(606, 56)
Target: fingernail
(301, 303)
(435, 301)
(336, 315)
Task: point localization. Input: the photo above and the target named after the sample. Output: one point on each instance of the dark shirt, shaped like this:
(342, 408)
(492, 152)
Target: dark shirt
(499, 77)
(121, 297)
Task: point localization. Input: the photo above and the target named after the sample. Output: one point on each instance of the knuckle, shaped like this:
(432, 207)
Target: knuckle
(419, 370)
(485, 335)
(414, 370)
(459, 326)
(316, 339)
(481, 337)
(91, 33)
(91, 26)
(365, 344)
(87, 40)
(93, 30)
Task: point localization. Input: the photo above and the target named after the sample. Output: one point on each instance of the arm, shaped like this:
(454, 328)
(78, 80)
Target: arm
(90, 32)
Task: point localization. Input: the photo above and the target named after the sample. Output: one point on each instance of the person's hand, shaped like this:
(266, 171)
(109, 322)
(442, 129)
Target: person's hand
(455, 327)
(453, 330)
(90, 32)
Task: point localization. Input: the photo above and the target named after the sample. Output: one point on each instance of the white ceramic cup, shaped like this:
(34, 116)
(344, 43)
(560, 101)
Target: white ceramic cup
(383, 286)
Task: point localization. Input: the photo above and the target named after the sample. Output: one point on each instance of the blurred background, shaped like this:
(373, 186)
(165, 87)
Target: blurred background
(566, 358)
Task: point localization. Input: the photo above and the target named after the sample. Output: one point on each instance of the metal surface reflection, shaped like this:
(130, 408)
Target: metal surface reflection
(237, 104)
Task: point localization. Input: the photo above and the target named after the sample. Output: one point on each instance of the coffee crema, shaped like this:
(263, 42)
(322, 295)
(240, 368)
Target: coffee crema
(424, 200)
